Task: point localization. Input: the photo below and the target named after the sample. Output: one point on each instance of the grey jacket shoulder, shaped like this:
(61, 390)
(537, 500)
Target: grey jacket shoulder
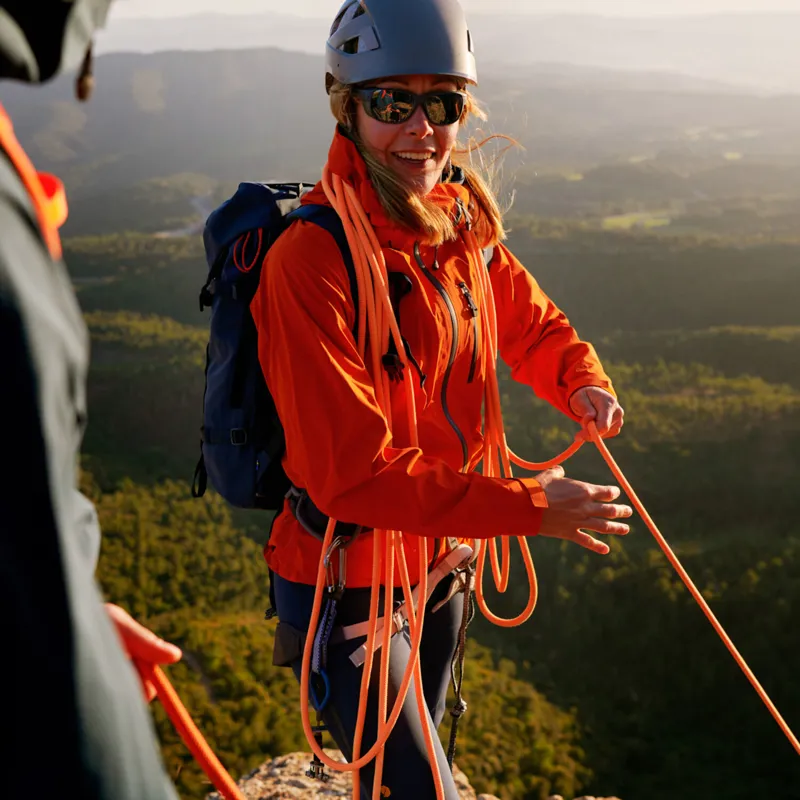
(71, 679)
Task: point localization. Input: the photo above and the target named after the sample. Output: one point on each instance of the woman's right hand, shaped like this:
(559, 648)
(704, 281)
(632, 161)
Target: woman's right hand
(575, 506)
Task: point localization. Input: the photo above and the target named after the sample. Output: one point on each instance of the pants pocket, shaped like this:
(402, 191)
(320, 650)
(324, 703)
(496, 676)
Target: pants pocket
(289, 644)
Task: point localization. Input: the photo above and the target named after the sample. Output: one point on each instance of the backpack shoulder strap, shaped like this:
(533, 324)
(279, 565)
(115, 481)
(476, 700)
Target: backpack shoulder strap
(307, 514)
(329, 220)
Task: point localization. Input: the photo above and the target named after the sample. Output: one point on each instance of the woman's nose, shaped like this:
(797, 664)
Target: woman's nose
(419, 124)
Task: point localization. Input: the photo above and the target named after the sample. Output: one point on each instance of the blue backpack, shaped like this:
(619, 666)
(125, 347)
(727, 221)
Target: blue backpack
(242, 440)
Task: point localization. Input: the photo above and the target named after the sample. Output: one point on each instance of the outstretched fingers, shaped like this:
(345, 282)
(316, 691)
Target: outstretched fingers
(603, 494)
(589, 542)
(603, 526)
(609, 511)
(606, 527)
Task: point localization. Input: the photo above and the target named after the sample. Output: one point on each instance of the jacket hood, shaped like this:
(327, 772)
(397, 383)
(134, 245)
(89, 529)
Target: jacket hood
(344, 160)
(40, 38)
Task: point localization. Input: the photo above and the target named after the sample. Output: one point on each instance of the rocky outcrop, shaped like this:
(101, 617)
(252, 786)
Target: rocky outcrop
(284, 778)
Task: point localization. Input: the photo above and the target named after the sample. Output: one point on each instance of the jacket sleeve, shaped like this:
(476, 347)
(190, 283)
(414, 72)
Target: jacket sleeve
(338, 442)
(536, 340)
(64, 660)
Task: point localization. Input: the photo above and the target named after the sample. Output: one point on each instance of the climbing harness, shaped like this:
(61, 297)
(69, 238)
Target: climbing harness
(377, 326)
(453, 560)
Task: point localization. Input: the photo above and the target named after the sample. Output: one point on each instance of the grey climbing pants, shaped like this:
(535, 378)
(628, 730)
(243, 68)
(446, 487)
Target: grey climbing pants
(406, 769)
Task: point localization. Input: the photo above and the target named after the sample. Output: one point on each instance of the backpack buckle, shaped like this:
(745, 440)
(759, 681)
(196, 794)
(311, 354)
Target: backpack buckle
(207, 294)
(238, 437)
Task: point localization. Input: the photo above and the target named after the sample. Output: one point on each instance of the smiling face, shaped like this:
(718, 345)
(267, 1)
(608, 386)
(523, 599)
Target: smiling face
(416, 150)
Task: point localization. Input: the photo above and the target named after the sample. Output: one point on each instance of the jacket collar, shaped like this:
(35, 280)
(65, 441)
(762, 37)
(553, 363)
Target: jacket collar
(452, 194)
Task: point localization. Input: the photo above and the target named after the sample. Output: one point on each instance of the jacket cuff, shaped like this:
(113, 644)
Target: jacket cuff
(533, 489)
(538, 499)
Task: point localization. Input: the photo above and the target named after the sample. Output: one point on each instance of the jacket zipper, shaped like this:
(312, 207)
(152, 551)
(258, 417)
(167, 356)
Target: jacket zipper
(473, 311)
(453, 350)
(399, 286)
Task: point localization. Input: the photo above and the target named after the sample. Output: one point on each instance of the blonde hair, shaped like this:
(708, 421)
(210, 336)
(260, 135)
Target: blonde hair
(410, 210)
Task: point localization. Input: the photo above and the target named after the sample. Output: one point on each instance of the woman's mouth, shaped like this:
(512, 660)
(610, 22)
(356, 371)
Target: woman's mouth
(415, 158)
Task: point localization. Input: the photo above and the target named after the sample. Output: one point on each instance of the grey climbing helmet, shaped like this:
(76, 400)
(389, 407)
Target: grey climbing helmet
(375, 39)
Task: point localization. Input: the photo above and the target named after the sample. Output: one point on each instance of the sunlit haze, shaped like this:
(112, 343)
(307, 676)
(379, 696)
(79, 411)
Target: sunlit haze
(325, 8)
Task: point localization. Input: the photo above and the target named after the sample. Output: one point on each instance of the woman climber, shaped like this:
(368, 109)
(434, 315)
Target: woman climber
(387, 434)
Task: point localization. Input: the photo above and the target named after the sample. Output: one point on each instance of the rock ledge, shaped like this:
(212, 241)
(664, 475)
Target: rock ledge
(284, 778)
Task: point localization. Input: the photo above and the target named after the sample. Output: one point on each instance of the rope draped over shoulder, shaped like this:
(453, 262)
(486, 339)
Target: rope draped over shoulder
(375, 312)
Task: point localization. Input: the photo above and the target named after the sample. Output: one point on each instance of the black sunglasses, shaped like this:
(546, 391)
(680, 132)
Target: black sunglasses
(395, 106)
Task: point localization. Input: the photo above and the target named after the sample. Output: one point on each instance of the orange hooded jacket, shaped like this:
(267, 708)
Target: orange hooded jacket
(338, 445)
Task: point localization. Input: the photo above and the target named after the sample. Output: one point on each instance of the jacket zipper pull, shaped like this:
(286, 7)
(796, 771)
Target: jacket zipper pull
(473, 308)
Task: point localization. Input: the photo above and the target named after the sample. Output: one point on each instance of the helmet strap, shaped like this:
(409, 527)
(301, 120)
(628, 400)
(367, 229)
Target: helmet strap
(447, 172)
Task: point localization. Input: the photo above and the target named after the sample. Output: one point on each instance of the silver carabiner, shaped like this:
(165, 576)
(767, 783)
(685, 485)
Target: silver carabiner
(342, 568)
(337, 544)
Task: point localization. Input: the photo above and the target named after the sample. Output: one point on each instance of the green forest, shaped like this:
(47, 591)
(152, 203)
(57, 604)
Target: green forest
(666, 223)
(618, 684)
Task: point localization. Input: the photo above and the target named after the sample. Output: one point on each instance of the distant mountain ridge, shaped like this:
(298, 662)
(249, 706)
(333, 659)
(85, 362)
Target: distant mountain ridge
(754, 50)
(263, 114)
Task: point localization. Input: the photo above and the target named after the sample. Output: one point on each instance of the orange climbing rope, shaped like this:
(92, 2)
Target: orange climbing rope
(189, 732)
(684, 576)
(376, 318)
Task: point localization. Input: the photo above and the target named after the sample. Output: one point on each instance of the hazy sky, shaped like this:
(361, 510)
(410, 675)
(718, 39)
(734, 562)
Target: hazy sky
(327, 8)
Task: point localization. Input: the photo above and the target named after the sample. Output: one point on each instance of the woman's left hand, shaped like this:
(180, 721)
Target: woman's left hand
(593, 404)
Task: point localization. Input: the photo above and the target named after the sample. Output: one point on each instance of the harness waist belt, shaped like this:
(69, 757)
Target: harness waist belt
(453, 560)
(315, 521)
